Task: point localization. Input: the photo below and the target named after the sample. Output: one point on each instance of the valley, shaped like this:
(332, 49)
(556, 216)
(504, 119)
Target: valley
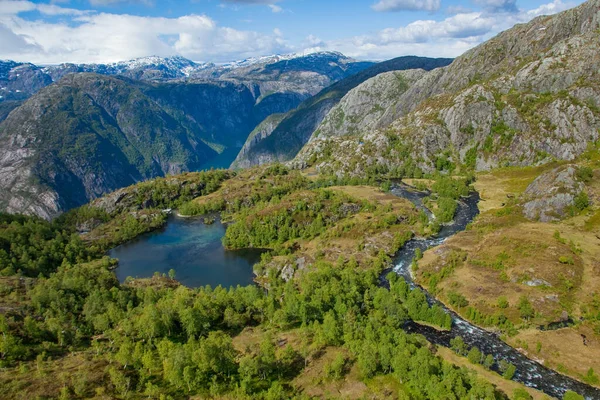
(307, 225)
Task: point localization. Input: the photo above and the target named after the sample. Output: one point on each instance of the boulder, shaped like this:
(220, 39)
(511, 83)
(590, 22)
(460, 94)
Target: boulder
(552, 195)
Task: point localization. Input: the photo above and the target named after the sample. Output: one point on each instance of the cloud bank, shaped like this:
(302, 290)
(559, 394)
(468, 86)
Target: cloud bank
(63, 34)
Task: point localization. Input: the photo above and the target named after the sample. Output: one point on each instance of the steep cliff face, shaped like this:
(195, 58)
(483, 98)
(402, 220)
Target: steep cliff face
(525, 97)
(281, 142)
(364, 106)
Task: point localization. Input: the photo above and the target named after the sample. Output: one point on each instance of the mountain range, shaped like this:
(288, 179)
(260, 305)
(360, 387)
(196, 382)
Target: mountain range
(281, 136)
(526, 97)
(70, 133)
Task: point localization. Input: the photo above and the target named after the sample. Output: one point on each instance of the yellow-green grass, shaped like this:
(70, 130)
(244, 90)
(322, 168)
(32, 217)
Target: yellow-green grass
(79, 375)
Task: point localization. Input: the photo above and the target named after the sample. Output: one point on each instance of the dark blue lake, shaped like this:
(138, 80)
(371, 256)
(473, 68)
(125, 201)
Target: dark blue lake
(192, 249)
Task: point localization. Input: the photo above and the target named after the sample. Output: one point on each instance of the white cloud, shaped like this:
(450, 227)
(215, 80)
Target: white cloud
(52, 9)
(457, 10)
(252, 1)
(275, 8)
(14, 7)
(112, 2)
(446, 38)
(407, 5)
(550, 8)
(105, 37)
(11, 42)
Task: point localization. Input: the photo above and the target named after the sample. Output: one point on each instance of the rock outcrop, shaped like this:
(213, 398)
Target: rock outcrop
(552, 195)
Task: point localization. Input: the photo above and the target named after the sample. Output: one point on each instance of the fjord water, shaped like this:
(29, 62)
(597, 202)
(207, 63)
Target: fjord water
(190, 247)
(529, 372)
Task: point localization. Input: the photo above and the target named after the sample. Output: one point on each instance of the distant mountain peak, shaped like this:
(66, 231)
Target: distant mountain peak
(270, 59)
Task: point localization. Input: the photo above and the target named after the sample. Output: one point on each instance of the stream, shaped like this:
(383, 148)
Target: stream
(529, 372)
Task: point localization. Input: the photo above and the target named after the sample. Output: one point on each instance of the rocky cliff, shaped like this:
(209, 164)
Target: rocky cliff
(525, 97)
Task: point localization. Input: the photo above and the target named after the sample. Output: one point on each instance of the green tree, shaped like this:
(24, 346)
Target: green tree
(525, 308)
(458, 345)
(474, 355)
(488, 362)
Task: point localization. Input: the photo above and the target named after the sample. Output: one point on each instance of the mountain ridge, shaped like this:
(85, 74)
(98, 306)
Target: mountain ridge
(504, 102)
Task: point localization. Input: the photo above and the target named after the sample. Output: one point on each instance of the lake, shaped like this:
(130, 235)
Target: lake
(192, 249)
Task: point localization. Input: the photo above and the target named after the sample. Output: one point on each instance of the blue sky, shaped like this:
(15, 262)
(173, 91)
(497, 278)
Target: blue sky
(86, 31)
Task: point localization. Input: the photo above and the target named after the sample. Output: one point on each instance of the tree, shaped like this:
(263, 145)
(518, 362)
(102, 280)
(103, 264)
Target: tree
(525, 308)
(474, 355)
(591, 377)
(215, 358)
(331, 329)
(489, 361)
(276, 392)
(172, 273)
(367, 360)
(508, 370)
(458, 345)
(120, 381)
(335, 368)
(503, 302)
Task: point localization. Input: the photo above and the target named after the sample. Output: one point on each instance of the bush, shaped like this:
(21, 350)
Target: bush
(335, 369)
(474, 355)
(503, 302)
(457, 300)
(585, 174)
(582, 201)
(508, 370)
(446, 209)
(525, 308)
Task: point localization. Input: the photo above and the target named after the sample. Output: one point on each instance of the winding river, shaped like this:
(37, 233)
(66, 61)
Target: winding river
(529, 372)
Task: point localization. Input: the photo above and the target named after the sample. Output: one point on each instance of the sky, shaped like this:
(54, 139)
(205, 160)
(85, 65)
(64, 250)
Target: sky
(103, 31)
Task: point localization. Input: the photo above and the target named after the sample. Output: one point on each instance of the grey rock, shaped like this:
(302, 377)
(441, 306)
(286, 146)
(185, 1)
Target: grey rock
(551, 195)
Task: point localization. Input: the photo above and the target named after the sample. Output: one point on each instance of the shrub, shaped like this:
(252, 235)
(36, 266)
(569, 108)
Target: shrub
(585, 174)
(457, 300)
(503, 302)
(582, 201)
(570, 395)
(521, 394)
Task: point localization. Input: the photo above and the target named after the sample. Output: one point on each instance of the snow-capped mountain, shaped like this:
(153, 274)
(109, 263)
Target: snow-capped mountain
(296, 72)
(144, 68)
(281, 57)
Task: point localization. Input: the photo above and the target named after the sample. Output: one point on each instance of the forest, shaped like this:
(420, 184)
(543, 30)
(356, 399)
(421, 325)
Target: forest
(157, 339)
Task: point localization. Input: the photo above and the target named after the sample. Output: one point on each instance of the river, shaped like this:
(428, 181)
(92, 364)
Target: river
(529, 372)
